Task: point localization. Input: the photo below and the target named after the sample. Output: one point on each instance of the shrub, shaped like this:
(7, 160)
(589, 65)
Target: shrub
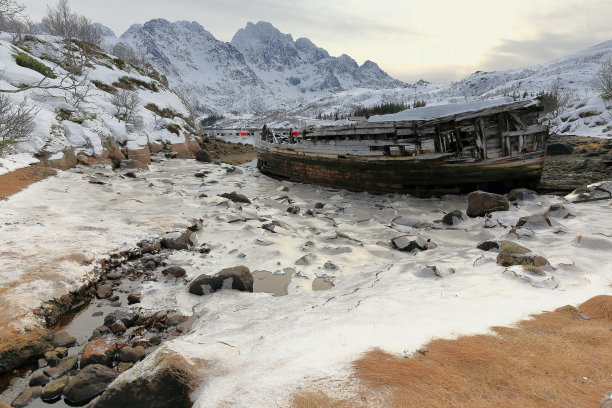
(29, 62)
(174, 128)
(164, 113)
(588, 114)
(119, 63)
(16, 121)
(104, 87)
(131, 83)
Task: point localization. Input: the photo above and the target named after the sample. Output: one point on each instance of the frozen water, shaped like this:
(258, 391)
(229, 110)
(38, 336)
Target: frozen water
(260, 347)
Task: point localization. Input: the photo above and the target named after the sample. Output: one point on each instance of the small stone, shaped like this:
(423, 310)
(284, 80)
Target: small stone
(104, 291)
(39, 378)
(27, 396)
(132, 354)
(236, 197)
(519, 194)
(330, 265)
(116, 303)
(64, 366)
(178, 241)
(55, 388)
(114, 275)
(293, 210)
(175, 271)
(63, 339)
(118, 327)
(488, 245)
(481, 203)
(175, 319)
(453, 218)
(133, 298)
(318, 206)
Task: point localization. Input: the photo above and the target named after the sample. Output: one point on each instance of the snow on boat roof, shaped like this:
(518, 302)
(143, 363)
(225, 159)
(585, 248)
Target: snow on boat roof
(440, 111)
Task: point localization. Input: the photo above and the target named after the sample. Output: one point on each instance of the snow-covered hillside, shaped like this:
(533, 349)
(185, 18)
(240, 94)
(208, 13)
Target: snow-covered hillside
(77, 114)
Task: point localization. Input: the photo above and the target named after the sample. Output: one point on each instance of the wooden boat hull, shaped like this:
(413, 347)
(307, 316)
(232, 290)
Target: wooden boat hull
(405, 174)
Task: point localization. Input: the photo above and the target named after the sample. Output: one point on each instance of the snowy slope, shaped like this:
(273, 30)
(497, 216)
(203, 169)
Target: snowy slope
(89, 126)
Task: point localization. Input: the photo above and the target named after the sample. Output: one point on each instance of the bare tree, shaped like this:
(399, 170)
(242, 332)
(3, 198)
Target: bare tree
(16, 120)
(126, 103)
(602, 81)
(10, 9)
(125, 52)
(556, 98)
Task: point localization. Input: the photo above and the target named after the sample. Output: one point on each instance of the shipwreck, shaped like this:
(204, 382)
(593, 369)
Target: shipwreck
(491, 145)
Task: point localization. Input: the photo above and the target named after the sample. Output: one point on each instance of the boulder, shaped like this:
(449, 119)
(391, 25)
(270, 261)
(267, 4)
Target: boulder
(511, 253)
(481, 203)
(55, 388)
(519, 194)
(242, 279)
(175, 271)
(88, 383)
(27, 396)
(100, 351)
(177, 240)
(167, 383)
(132, 354)
(241, 276)
(202, 156)
(63, 339)
(453, 217)
(236, 197)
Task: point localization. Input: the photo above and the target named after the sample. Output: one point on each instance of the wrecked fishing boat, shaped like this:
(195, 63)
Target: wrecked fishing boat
(493, 145)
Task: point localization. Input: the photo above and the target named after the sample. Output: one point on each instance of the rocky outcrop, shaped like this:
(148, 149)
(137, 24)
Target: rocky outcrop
(481, 203)
(167, 383)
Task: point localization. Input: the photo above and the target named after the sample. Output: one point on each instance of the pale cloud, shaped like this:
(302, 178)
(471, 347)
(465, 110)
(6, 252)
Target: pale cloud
(437, 40)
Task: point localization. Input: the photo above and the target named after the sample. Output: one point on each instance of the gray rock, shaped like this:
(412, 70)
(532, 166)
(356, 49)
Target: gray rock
(128, 317)
(519, 194)
(536, 221)
(63, 339)
(27, 396)
(511, 253)
(132, 354)
(606, 401)
(558, 211)
(481, 203)
(114, 275)
(88, 383)
(306, 259)
(63, 367)
(104, 291)
(175, 271)
(39, 378)
(55, 388)
(453, 217)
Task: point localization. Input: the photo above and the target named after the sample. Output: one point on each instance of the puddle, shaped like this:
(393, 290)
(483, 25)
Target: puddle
(320, 284)
(269, 282)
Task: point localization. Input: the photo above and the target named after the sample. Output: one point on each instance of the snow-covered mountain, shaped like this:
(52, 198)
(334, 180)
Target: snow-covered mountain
(262, 71)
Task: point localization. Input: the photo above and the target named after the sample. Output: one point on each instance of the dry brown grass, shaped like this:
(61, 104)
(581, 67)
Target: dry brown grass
(314, 399)
(558, 359)
(15, 181)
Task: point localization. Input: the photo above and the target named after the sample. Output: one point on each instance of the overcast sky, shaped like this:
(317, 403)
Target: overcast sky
(435, 40)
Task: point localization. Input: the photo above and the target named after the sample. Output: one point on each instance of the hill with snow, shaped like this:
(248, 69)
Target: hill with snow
(77, 113)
